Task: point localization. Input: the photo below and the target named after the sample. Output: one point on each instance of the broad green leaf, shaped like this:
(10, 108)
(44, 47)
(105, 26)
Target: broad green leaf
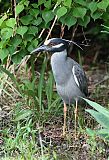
(98, 107)
(103, 4)
(32, 30)
(47, 16)
(41, 2)
(3, 53)
(21, 30)
(11, 49)
(35, 5)
(35, 42)
(92, 6)
(2, 19)
(26, 20)
(28, 37)
(19, 8)
(61, 12)
(100, 118)
(30, 48)
(79, 12)
(104, 133)
(84, 22)
(47, 4)
(16, 58)
(23, 114)
(16, 40)
(34, 12)
(68, 3)
(90, 132)
(70, 21)
(37, 21)
(96, 15)
(11, 22)
(81, 2)
(6, 33)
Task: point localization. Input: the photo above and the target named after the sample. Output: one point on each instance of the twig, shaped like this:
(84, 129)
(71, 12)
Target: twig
(51, 27)
(72, 38)
(41, 33)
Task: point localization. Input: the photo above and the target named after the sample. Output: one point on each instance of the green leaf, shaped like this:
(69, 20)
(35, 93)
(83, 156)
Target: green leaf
(30, 48)
(61, 12)
(2, 19)
(92, 6)
(41, 2)
(103, 4)
(68, 3)
(104, 133)
(47, 4)
(27, 37)
(96, 15)
(21, 30)
(6, 33)
(41, 82)
(49, 89)
(70, 21)
(32, 30)
(34, 12)
(98, 107)
(37, 21)
(26, 20)
(35, 43)
(79, 12)
(3, 53)
(16, 40)
(84, 22)
(47, 16)
(19, 8)
(90, 132)
(11, 22)
(81, 2)
(16, 58)
(100, 118)
(23, 114)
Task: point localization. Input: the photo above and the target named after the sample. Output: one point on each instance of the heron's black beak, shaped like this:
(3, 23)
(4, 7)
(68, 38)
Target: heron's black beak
(40, 49)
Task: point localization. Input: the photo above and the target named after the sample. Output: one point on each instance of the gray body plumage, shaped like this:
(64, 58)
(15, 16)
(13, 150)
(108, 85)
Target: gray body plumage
(66, 82)
(70, 78)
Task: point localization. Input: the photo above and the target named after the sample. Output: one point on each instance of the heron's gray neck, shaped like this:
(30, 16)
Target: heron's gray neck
(59, 66)
(59, 57)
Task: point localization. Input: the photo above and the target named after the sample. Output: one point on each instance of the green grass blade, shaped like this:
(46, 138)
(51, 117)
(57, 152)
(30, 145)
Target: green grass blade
(49, 89)
(11, 75)
(41, 83)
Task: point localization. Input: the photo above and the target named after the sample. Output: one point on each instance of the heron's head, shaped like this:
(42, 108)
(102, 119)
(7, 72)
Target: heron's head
(55, 45)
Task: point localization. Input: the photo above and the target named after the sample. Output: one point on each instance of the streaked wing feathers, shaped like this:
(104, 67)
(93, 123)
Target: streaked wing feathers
(80, 78)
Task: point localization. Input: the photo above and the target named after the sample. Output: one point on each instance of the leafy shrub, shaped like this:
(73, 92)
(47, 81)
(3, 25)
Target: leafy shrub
(20, 32)
(101, 115)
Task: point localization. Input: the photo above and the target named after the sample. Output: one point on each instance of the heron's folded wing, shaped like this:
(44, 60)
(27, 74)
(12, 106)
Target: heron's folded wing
(80, 79)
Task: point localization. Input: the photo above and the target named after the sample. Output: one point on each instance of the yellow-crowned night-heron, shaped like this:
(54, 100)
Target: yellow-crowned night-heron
(71, 82)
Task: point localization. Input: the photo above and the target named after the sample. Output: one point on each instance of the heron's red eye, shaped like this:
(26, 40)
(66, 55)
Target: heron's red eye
(51, 44)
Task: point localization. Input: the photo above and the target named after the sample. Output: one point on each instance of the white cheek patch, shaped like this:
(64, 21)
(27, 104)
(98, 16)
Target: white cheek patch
(75, 78)
(58, 45)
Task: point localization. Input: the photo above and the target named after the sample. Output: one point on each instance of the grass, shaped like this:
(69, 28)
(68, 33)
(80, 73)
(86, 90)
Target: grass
(32, 126)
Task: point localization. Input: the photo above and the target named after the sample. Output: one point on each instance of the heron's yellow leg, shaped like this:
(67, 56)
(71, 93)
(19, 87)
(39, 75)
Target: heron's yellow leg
(65, 112)
(76, 111)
